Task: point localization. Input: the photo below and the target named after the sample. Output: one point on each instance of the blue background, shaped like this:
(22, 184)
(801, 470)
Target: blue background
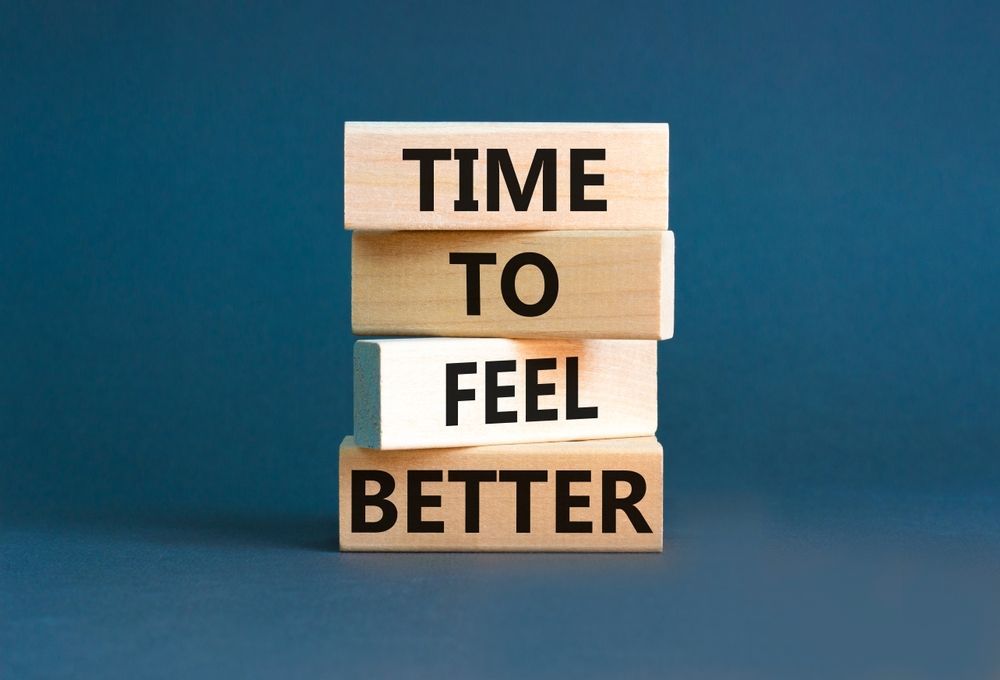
(176, 342)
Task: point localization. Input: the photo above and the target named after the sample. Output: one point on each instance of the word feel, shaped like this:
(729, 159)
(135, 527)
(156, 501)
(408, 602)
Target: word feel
(533, 389)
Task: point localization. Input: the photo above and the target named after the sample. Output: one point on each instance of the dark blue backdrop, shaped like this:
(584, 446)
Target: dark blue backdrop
(175, 287)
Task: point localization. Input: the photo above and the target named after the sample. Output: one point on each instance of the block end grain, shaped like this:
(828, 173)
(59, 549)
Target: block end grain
(367, 394)
(667, 286)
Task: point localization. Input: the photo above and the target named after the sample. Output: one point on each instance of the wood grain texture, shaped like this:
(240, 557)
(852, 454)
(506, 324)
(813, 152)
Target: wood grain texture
(611, 284)
(381, 190)
(543, 529)
(401, 396)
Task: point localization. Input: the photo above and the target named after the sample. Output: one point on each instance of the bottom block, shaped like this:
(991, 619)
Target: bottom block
(596, 495)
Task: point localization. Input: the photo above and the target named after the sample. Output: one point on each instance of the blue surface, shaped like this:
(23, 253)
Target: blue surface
(855, 585)
(175, 300)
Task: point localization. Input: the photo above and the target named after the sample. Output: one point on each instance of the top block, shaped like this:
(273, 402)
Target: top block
(532, 176)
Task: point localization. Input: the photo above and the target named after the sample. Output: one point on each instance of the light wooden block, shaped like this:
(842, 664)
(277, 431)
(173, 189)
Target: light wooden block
(607, 284)
(382, 190)
(428, 392)
(598, 495)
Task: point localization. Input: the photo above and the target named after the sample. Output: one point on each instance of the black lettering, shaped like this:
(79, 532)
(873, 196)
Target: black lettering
(466, 201)
(565, 501)
(610, 503)
(579, 179)
(495, 392)
(472, 262)
(426, 158)
(416, 501)
(360, 500)
(509, 290)
(453, 395)
(472, 479)
(533, 389)
(573, 409)
(543, 163)
(522, 494)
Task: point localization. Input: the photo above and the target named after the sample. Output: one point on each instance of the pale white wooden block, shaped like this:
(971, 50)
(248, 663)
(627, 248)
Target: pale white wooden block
(402, 395)
(382, 189)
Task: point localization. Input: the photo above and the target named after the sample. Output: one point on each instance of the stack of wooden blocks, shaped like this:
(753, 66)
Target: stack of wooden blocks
(542, 249)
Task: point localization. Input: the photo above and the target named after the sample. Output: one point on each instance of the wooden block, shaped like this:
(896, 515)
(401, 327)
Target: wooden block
(428, 392)
(598, 495)
(548, 284)
(505, 175)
